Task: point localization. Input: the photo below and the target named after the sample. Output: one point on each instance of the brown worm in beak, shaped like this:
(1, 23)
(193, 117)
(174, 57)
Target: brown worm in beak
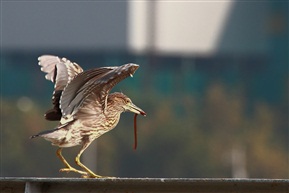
(135, 132)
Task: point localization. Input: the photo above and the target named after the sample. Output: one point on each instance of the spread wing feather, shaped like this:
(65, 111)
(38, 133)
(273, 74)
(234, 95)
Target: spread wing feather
(93, 85)
(60, 71)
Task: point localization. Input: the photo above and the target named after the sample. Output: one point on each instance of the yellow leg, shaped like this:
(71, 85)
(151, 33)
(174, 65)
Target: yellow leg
(77, 161)
(68, 167)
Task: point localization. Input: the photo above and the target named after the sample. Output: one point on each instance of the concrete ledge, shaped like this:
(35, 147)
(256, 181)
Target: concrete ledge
(134, 185)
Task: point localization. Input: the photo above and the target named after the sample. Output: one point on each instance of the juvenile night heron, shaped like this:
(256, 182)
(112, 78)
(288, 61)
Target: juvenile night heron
(83, 105)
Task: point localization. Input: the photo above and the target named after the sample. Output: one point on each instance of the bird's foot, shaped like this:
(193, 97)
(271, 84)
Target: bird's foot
(71, 169)
(93, 175)
(89, 176)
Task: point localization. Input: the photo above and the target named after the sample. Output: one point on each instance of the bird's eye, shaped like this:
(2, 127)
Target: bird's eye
(127, 101)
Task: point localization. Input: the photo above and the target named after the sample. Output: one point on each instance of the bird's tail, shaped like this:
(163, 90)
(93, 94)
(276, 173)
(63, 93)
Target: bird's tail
(33, 136)
(43, 133)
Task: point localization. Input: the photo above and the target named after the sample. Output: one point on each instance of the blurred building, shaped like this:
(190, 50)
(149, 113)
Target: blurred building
(191, 28)
(223, 35)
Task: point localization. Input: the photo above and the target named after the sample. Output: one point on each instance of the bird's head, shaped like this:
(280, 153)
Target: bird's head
(122, 103)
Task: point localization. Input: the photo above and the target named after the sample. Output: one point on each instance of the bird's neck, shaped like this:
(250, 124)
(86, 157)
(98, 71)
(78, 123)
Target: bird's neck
(112, 116)
(113, 110)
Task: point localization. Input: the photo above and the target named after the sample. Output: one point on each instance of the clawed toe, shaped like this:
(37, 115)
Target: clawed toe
(97, 176)
(72, 170)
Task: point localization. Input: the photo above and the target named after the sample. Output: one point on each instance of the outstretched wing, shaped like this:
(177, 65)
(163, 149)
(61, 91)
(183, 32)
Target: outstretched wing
(60, 71)
(92, 85)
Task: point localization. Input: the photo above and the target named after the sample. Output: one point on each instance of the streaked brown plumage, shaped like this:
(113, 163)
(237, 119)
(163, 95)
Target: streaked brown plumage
(83, 104)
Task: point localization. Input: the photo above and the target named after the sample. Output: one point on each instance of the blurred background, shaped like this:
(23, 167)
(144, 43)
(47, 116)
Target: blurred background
(213, 79)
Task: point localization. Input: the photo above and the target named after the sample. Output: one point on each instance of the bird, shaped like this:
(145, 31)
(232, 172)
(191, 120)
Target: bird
(83, 105)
